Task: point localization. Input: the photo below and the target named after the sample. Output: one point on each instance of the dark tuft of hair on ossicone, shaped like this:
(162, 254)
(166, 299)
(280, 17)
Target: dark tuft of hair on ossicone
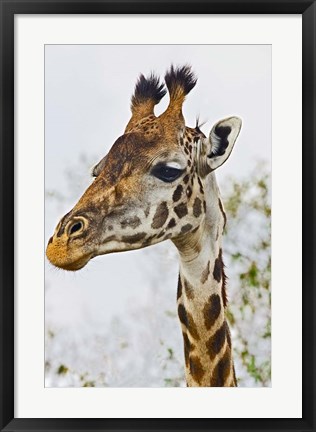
(180, 78)
(148, 89)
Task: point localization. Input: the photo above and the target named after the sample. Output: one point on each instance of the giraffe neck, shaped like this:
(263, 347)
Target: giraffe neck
(202, 300)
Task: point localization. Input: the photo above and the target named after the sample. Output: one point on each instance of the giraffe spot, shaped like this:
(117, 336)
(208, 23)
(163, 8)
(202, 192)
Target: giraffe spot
(189, 163)
(179, 290)
(186, 228)
(218, 267)
(181, 210)
(147, 210)
(234, 376)
(188, 346)
(222, 211)
(149, 239)
(219, 273)
(205, 273)
(222, 370)
(189, 291)
(131, 222)
(181, 141)
(134, 238)
(197, 207)
(110, 238)
(195, 229)
(187, 320)
(177, 193)
(186, 179)
(224, 294)
(190, 148)
(196, 369)
(204, 206)
(201, 185)
(216, 342)
(186, 151)
(161, 234)
(189, 191)
(228, 337)
(161, 215)
(212, 310)
(172, 223)
(50, 240)
(167, 236)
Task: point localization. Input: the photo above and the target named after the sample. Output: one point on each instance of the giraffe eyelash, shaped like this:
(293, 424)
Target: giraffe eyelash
(166, 173)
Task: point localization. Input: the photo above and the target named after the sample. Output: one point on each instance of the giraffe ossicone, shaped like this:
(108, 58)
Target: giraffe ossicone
(157, 182)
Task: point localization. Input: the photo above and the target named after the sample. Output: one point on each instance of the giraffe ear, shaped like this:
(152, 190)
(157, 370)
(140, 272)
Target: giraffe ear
(221, 141)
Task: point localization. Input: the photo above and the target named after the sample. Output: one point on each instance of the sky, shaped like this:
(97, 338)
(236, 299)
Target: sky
(87, 106)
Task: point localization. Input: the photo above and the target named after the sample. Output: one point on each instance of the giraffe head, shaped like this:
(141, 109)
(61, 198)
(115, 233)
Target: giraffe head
(149, 187)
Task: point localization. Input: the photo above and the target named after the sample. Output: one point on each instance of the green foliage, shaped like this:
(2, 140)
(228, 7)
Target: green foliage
(62, 370)
(88, 384)
(247, 247)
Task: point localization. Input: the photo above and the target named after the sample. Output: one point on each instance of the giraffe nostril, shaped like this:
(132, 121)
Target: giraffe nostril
(77, 226)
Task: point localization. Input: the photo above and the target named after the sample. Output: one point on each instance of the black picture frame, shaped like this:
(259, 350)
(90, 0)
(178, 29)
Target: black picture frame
(8, 9)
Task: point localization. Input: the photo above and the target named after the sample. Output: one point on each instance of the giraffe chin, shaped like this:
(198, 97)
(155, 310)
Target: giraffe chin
(76, 265)
(71, 265)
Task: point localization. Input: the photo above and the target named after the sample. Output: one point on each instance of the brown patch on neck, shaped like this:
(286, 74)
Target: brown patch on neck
(222, 211)
(229, 341)
(219, 275)
(205, 273)
(189, 291)
(222, 370)
(217, 341)
(218, 267)
(187, 320)
(179, 290)
(188, 347)
(234, 376)
(212, 310)
(224, 281)
(196, 369)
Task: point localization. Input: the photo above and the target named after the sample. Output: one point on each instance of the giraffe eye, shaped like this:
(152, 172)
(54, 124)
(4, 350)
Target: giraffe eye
(166, 173)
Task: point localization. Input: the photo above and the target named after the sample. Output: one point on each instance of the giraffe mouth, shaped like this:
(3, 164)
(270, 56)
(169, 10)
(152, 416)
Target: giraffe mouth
(76, 265)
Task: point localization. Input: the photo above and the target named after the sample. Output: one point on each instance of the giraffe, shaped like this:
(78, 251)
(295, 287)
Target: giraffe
(158, 182)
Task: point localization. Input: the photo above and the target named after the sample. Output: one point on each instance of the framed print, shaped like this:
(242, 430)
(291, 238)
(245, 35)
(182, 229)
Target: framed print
(156, 203)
